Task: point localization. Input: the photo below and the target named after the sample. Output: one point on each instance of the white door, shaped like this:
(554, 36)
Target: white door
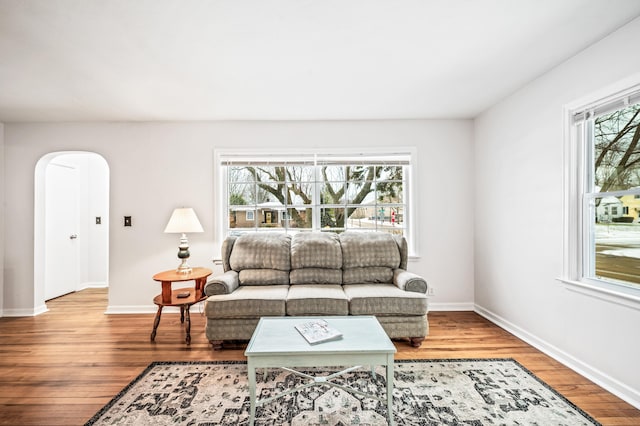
(62, 273)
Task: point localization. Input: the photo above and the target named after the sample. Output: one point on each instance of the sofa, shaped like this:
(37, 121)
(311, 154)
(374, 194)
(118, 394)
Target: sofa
(314, 274)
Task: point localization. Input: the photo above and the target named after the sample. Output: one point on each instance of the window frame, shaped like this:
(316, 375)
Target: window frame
(576, 235)
(221, 184)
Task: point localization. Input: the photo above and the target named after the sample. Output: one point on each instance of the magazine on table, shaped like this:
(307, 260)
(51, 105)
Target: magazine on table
(318, 331)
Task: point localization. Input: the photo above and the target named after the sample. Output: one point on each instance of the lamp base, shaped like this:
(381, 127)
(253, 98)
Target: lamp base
(183, 255)
(184, 269)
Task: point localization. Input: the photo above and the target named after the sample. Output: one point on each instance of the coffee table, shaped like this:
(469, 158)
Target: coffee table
(277, 344)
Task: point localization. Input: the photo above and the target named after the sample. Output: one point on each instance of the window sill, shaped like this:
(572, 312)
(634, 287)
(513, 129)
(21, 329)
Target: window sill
(609, 293)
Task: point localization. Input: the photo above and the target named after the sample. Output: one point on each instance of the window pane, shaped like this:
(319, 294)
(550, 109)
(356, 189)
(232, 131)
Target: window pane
(389, 172)
(268, 173)
(240, 174)
(299, 193)
(616, 159)
(360, 173)
(615, 251)
(332, 218)
(361, 192)
(298, 218)
(269, 218)
(397, 216)
(332, 193)
(241, 194)
(241, 217)
(269, 193)
(300, 174)
(332, 173)
(362, 218)
(389, 192)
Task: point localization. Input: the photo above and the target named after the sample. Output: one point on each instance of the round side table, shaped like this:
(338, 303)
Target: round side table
(182, 297)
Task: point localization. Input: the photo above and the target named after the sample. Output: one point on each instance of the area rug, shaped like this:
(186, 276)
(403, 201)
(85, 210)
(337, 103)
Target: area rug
(473, 392)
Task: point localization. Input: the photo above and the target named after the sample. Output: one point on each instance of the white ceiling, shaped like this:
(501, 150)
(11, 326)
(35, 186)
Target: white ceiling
(146, 60)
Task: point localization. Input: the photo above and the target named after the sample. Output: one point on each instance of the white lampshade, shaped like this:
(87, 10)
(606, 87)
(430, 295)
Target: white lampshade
(182, 221)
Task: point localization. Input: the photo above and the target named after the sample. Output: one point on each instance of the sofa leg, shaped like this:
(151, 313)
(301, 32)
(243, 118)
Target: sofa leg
(416, 341)
(216, 345)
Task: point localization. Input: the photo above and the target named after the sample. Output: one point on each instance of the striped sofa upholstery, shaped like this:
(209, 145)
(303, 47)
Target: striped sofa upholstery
(315, 274)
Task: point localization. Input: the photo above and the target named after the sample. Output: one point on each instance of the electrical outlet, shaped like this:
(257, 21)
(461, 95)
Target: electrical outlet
(127, 221)
(98, 220)
(431, 291)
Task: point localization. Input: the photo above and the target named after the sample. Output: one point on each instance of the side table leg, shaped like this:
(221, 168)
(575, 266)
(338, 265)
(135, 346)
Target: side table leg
(186, 311)
(200, 282)
(156, 321)
(182, 314)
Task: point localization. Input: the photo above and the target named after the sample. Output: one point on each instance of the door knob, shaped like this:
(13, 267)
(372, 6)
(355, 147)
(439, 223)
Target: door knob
(73, 236)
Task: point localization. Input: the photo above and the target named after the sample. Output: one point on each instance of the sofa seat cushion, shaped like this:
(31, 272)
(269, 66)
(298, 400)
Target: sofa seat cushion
(248, 302)
(384, 299)
(261, 251)
(317, 299)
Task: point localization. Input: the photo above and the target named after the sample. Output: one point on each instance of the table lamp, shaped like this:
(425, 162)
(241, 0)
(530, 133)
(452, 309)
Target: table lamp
(182, 221)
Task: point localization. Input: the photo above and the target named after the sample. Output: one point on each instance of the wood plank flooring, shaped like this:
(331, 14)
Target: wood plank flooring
(61, 367)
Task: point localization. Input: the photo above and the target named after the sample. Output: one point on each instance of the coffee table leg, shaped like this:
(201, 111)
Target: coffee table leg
(390, 390)
(155, 323)
(252, 390)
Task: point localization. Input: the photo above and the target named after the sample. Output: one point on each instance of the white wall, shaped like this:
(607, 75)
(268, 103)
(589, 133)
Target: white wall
(519, 222)
(2, 180)
(156, 167)
(97, 205)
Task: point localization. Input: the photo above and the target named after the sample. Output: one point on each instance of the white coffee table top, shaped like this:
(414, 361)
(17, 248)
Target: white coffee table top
(278, 336)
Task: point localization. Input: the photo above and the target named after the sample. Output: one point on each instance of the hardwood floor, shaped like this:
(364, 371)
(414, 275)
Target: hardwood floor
(61, 367)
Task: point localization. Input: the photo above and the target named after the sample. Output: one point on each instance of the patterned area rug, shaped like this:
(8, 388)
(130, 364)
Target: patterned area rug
(427, 392)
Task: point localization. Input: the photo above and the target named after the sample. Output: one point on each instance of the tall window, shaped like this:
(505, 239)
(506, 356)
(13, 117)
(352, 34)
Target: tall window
(316, 192)
(606, 208)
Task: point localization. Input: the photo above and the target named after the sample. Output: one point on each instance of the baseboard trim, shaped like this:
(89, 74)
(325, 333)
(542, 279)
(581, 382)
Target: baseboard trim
(93, 284)
(451, 306)
(25, 312)
(621, 390)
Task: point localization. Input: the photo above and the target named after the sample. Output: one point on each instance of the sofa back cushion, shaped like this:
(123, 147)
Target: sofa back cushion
(316, 258)
(261, 258)
(369, 257)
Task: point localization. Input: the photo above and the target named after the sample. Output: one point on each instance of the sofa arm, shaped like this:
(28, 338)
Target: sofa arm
(222, 284)
(408, 281)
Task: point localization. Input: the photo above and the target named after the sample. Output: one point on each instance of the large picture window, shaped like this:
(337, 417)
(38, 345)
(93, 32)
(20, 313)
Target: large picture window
(316, 192)
(605, 169)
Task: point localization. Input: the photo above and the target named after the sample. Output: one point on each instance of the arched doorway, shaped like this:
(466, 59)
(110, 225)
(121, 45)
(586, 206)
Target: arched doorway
(71, 229)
